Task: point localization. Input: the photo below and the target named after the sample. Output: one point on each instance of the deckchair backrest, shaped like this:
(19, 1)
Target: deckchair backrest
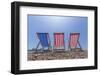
(44, 40)
(74, 37)
(58, 39)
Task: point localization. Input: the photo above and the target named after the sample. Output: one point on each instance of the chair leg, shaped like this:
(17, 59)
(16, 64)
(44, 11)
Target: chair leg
(80, 46)
(69, 47)
(37, 46)
(53, 49)
(64, 46)
(49, 48)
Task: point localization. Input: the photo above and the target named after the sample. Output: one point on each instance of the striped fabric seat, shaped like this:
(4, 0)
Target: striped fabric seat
(59, 41)
(44, 40)
(43, 37)
(74, 40)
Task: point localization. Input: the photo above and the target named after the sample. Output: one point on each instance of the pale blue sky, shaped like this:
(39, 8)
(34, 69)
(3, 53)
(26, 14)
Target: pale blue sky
(51, 24)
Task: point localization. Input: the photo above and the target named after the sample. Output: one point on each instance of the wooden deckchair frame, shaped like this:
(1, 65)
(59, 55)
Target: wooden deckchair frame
(41, 43)
(78, 43)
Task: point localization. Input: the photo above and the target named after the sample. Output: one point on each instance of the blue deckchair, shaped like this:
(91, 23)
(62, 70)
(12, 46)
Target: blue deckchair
(44, 40)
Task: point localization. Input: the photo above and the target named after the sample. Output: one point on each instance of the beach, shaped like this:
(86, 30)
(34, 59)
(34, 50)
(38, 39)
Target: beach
(58, 55)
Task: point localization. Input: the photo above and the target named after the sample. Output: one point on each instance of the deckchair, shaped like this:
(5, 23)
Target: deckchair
(59, 43)
(74, 41)
(44, 41)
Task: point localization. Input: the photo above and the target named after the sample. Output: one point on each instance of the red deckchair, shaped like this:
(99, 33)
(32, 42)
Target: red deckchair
(74, 41)
(59, 43)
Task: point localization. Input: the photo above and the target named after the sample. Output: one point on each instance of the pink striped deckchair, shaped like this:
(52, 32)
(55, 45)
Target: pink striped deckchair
(74, 41)
(59, 43)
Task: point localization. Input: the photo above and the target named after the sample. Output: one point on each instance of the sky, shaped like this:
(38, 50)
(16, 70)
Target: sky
(51, 24)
